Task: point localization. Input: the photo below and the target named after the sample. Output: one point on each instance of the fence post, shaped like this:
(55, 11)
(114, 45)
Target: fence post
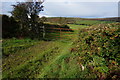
(60, 33)
(43, 32)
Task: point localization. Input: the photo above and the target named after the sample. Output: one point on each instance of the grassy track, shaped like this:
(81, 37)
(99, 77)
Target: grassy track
(35, 61)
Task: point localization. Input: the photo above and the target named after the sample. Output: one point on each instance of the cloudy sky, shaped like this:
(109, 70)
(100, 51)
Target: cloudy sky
(72, 8)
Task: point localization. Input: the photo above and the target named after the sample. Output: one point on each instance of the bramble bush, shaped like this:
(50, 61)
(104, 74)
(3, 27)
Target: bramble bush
(98, 49)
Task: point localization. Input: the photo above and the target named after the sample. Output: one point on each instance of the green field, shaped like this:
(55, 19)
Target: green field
(89, 52)
(91, 22)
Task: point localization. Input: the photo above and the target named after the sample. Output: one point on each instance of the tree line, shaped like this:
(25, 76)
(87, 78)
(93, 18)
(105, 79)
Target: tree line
(25, 22)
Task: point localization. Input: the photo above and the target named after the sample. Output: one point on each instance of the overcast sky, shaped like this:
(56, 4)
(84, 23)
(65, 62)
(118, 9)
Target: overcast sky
(72, 8)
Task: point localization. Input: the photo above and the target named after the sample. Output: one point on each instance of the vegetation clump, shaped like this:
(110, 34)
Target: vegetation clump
(98, 49)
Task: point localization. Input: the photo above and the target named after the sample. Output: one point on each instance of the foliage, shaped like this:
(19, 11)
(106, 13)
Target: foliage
(98, 49)
(10, 28)
(103, 40)
(26, 13)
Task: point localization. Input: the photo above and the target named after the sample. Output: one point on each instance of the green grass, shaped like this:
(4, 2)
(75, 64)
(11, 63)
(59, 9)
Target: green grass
(12, 45)
(82, 55)
(77, 21)
(76, 27)
(40, 54)
(91, 22)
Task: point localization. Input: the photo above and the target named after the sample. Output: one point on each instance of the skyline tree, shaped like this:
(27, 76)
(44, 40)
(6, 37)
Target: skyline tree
(26, 13)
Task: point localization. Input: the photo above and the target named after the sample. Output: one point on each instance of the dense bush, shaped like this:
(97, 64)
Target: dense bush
(10, 28)
(98, 49)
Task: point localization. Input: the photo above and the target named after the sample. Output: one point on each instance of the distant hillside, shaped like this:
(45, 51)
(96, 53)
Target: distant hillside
(81, 21)
(72, 20)
(116, 19)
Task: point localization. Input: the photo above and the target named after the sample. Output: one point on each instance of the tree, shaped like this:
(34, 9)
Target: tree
(26, 13)
(33, 11)
(20, 15)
